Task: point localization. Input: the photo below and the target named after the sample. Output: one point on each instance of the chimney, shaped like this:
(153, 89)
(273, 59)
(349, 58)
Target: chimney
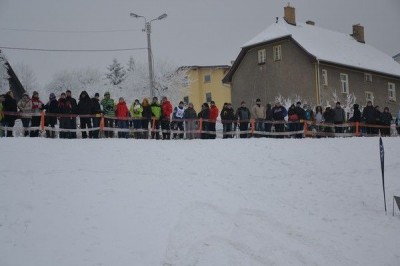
(358, 33)
(310, 22)
(290, 15)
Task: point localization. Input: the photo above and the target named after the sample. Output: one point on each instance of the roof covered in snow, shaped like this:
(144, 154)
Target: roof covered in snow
(330, 46)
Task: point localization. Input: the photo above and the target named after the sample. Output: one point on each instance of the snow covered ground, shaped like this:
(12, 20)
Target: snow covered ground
(217, 202)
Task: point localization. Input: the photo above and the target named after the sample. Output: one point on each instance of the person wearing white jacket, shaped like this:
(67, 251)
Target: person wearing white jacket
(258, 114)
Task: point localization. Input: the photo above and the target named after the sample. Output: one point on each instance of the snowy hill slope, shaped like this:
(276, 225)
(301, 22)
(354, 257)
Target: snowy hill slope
(217, 202)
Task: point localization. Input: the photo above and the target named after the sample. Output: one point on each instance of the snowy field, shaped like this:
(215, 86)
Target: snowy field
(218, 202)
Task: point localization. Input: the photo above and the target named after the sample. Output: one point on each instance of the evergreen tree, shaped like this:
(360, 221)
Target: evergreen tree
(117, 73)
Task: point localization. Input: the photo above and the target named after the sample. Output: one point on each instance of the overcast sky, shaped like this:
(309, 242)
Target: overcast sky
(206, 32)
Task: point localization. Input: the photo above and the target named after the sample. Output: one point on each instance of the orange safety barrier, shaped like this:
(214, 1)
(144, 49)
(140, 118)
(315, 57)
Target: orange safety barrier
(102, 123)
(305, 128)
(357, 129)
(42, 120)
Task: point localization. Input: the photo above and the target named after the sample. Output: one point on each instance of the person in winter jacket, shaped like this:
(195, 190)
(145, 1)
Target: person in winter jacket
(9, 105)
(166, 108)
(146, 117)
(243, 115)
(25, 106)
(96, 114)
(177, 123)
(37, 107)
(279, 113)
(318, 118)
(301, 113)
(156, 114)
(50, 119)
(84, 111)
(204, 115)
(329, 118)
(214, 112)
(74, 106)
(109, 113)
(227, 118)
(386, 121)
(356, 117)
(136, 110)
(268, 120)
(293, 119)
(258, 114)
(122, 113)
(65, 110)
(190, 116)
(369, 117)
(340, 118)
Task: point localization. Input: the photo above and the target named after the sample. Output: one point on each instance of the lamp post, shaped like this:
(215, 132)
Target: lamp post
(147, 29)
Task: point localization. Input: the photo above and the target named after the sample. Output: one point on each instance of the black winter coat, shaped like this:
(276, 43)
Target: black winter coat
(369, 115)
(95, 106)
(51, 108)
(9, 105)
(386, 118)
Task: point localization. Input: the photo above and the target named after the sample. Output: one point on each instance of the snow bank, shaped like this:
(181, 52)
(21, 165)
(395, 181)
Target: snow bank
(217, 202)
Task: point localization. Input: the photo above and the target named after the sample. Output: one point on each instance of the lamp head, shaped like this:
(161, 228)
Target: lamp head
(162, 16)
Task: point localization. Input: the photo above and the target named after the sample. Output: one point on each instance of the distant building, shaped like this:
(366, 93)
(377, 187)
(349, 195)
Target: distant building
(397, 58)
(14, 84)
(291, 58)
(206, 85)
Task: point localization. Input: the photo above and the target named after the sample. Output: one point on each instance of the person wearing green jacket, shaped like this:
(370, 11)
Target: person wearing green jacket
(108, 106)
(156, 115)
(136, 114)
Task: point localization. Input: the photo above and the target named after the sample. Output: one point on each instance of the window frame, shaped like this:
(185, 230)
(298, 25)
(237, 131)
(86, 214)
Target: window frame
(186, 99)
(371, 98)
(262, 56)
(208, 97)
(324, 77)
(344, 83)
(207, 80)
(392, 90)
(367, 77)
(277, 52)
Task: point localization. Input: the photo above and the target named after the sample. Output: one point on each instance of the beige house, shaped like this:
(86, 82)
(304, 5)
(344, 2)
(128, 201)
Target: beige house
(291, 58)
(206, 85)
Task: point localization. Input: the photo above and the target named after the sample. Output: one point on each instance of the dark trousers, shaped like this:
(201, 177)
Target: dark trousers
(204, 129)
(9, 121)
(166, 128)
(64, 124)
(108, 123)
(72, 125)
(211, 128)
(227, 128)
(243, 127)
(35, 122)
(96, 123)
(175, 126)
(123, 124)
(145, 127)
(86, 123)
(338, 129)
(154, 132)
(25, 124)
(280, 127)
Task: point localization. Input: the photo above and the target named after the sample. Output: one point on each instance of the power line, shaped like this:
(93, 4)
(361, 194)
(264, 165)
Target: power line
(69, 31)
(72, 50)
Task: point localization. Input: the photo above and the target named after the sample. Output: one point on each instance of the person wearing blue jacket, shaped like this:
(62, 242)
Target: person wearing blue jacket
(279, 113)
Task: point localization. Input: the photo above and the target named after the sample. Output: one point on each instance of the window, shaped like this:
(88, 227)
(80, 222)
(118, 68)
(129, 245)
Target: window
(262, 56)
(186, 100)
(344, 79)
(208, 97)
(392, 91)
(369, 96)
(207, 78)
(368, 77)
(277, 50)
(324, 77)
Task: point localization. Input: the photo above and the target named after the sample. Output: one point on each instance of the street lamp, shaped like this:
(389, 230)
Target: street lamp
(147, 29)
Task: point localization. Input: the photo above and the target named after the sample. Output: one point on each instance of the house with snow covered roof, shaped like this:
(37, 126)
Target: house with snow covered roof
(301, 59)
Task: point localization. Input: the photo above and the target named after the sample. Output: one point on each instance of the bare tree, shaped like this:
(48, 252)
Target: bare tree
(26, 76)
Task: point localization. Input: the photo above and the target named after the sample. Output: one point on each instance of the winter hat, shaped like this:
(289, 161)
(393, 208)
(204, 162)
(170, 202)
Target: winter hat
(107, 93)
(96, 94)
(52, 96)
(181, 103)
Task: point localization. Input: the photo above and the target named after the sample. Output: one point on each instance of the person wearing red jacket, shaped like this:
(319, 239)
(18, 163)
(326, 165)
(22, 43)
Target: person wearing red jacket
(166, 110)
(213, 119)
(122, 113)
(37, 107)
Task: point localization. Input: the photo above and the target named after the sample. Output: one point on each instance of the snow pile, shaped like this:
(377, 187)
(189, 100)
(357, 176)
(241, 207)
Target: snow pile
(217, 202)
